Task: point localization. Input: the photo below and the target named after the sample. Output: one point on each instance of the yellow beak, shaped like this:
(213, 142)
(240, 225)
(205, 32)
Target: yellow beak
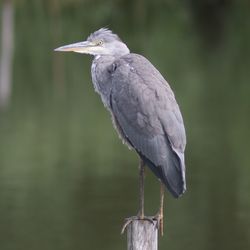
(80, 47)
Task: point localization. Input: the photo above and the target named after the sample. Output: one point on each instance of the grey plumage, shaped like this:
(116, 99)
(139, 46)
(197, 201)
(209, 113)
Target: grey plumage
(142, 105)
(105, 34)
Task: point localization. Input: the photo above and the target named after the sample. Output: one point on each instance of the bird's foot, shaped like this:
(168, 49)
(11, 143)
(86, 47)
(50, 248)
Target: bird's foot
(159, 218)
(151, 219)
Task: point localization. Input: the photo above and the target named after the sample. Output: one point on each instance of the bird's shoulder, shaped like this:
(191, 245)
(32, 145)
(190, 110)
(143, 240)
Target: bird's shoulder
(138, 64)
(139, 74)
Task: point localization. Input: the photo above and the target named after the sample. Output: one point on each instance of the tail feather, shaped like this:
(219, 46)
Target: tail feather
(172, 174)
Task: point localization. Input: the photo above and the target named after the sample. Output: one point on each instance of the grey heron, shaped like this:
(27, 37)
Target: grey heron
(143, 110)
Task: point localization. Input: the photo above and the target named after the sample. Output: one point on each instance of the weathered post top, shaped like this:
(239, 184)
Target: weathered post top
(142, 235)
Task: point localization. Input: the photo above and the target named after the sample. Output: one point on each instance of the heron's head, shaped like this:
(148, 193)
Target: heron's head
(101, 42)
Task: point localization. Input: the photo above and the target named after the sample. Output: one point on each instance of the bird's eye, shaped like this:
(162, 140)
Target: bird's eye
(100, 42)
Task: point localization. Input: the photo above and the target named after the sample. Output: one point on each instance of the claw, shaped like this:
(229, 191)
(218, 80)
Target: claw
(159, 218)
(151, 219)
(127, 222)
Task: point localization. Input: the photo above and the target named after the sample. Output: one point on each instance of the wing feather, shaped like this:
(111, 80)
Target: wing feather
(144, 106)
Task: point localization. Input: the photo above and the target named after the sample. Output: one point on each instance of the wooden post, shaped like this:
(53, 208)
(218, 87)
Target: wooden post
(142, 235)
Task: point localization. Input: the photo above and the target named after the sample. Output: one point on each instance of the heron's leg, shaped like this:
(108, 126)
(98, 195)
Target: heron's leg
(140, 215)
(160, 214)
(141, 189)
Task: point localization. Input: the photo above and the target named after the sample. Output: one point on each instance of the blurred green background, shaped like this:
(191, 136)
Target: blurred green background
(66, 180)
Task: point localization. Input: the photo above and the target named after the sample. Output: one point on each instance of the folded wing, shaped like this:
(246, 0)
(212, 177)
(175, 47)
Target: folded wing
(145, 109)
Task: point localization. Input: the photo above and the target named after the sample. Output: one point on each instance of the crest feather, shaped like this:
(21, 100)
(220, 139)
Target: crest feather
(105, 34)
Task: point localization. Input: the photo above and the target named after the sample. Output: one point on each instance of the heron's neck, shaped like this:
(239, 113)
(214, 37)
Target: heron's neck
(104, 59)
(101, 77)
